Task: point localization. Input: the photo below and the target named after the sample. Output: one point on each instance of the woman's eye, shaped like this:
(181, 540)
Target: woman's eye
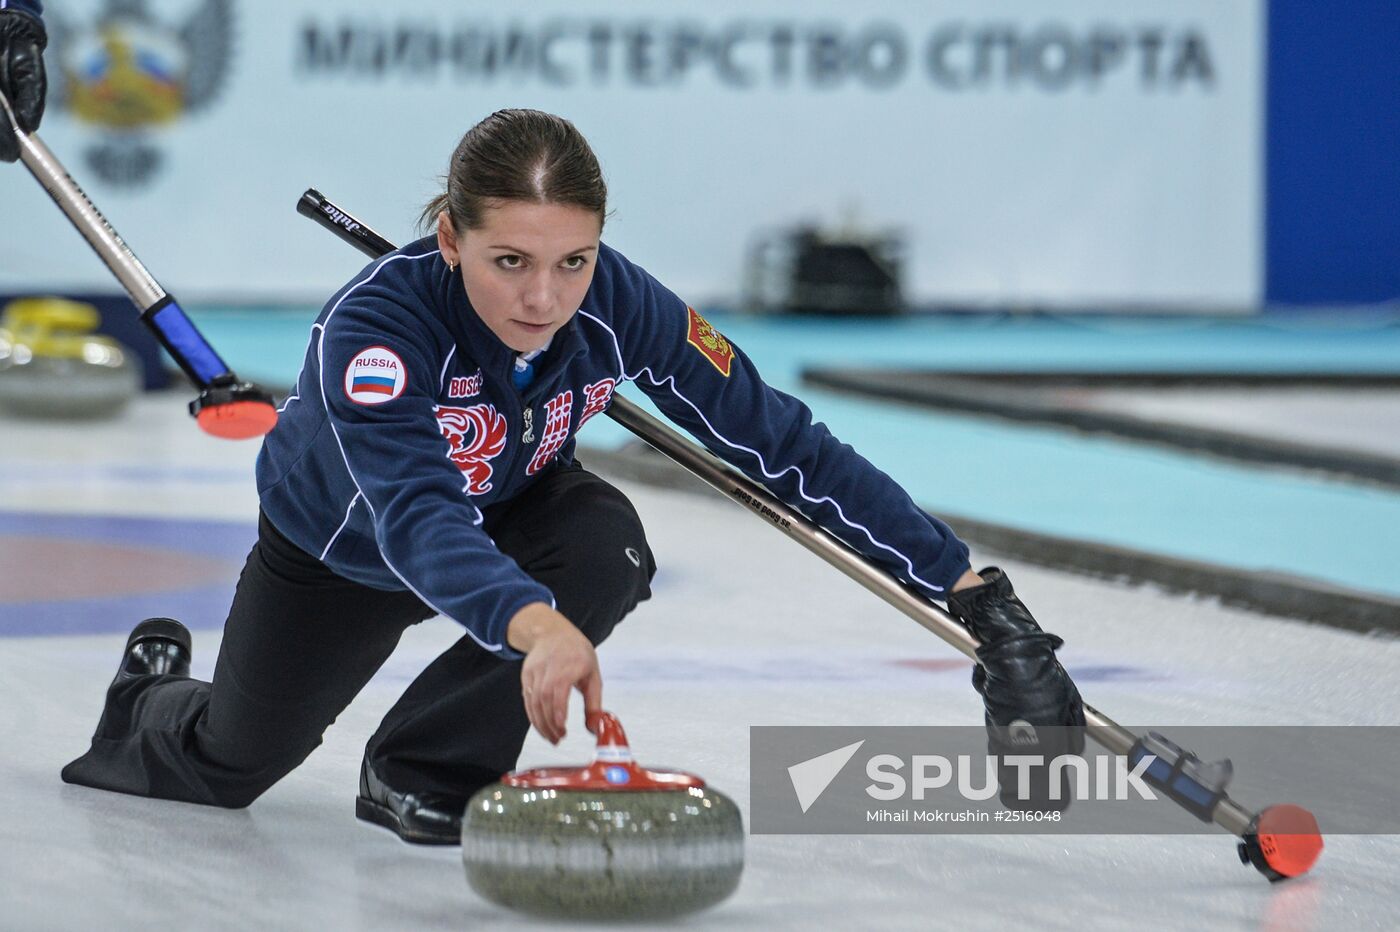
(574, 263)
(510, 262)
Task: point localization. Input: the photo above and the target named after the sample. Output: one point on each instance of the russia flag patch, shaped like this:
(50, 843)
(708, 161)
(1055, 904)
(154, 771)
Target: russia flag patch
(376, 375)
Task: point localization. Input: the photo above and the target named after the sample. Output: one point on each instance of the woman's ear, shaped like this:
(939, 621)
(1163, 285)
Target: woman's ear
(447, 240)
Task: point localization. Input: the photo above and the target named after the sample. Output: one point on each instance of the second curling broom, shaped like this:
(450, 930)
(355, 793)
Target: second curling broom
(227, 406)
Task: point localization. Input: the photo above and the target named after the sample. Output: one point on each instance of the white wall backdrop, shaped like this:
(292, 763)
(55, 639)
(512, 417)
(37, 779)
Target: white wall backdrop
(1045, 152)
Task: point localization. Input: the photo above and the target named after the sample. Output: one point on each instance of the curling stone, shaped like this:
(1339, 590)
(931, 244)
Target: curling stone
(52, 365)
(609, 840)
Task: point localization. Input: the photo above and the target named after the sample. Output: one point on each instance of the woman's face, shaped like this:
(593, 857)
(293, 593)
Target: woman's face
(526, 268)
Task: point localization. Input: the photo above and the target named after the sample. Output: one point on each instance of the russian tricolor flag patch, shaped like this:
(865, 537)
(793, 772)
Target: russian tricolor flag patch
(374, 376)
(372, 383)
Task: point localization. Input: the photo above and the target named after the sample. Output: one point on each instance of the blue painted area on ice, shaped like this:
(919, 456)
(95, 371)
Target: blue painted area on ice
(199, 606)
(231, 539)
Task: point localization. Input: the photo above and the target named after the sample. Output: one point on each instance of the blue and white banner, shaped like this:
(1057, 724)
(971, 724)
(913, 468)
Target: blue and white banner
(1061, 153)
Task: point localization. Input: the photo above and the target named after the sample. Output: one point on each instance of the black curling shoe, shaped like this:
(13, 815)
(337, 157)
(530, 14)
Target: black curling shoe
(156, 646)
(417, 818)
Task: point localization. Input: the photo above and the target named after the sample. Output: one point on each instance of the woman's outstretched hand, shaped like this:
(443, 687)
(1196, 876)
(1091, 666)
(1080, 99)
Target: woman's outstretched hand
(558, 659)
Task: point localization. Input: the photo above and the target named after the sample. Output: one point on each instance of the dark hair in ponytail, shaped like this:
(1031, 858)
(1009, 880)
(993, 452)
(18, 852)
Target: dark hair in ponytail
(519, 155)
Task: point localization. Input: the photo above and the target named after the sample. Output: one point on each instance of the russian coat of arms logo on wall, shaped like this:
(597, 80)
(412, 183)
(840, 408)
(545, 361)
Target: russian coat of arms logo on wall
(131, 76)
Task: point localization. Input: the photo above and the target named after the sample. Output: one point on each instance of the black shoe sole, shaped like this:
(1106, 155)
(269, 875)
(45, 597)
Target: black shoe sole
(167, 628)
(156, 629)
(367, 810)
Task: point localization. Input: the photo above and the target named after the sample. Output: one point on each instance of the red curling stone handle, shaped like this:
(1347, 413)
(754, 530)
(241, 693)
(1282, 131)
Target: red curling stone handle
(613, 769)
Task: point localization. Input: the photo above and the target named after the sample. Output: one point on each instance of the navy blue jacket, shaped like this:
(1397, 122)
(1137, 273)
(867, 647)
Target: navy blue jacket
(405, 422)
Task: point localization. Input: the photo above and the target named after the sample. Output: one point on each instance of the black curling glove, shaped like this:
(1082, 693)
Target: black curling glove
(1021, 684)
(22, 79)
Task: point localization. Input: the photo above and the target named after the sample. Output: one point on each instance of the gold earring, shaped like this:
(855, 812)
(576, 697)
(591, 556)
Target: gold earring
(452, 267)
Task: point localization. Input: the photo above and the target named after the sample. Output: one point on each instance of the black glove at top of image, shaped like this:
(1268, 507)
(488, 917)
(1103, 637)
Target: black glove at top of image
(22, 79)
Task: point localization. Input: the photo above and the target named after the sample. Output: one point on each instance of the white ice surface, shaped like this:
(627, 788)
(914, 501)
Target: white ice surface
(744, 629)
(1356, 420)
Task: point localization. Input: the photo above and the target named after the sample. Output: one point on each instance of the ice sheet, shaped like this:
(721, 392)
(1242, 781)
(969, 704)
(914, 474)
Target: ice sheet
(744, 629)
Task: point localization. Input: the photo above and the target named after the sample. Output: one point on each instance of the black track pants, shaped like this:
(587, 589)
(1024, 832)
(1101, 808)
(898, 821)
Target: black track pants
(300, 642)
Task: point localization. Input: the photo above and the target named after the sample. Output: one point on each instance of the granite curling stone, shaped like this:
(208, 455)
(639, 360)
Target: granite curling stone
(610, 840)
(53, 366)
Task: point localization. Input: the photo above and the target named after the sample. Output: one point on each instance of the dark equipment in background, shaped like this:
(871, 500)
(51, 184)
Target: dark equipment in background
(803, 270)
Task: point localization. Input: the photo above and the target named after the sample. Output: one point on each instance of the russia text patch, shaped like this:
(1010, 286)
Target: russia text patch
(374, 376)
(710, 342)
